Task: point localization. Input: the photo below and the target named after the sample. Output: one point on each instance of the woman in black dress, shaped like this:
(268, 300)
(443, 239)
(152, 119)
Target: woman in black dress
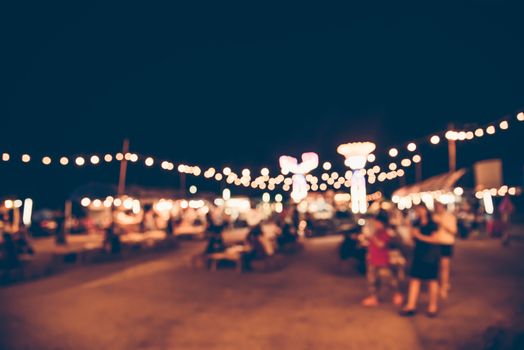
(425, 265)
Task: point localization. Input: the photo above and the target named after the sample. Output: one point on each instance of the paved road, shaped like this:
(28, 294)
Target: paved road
(161, 303)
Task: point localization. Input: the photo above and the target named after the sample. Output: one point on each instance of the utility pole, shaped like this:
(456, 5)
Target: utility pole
(123, 168)
(183, 183)
(452, 151)
(418, 172)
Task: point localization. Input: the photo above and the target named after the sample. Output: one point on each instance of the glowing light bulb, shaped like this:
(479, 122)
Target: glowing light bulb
(95, 160)
(108, 158)
(412, 147)
(393, 152)
(490, 129)
(26, 158)
(479, 132)
(46, 160)
(520, 116)
(371, 157)
(504, 125)
(149, 161)
(79, 161)
(64, 161)
(326, 166)
(435, 139)
(5, 157)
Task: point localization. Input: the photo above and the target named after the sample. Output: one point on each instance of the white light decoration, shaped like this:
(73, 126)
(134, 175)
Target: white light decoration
(459, 191)
(290, 165)
(469, 135)
(28, 210)
(266, 197)
(26, 158)
(108, 158)
(95, 160)
(64, 161)
(192, 189)
(17, 203)
(80, 161)
(412, 147)
(356, 154)
(278, 197)
(219, 177)
(85, 202)
(417, 158)
(46, 160)
(326, 166)
(490, 129)
(488, 201)
(520, 116)
(371, 158)
(264, 172)
(435, 139)
(504, 125)
(149, 161)
(451, 135)
(392, 152)
(405, 162)
(226, 194)
(479, 132)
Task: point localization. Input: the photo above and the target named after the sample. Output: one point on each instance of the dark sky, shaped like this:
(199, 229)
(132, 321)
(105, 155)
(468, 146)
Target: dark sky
(241, 84)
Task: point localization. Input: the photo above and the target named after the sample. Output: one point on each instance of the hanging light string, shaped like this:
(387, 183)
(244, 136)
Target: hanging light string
(263, 180)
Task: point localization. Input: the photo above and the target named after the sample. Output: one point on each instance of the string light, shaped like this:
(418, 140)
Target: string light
(64, 161)
(393, 152)
(412, 147)
(326, 166)
(46, 160)
(520, 116)
(5, 157)
(479, 132)
(108, 158)
(417, 158)
(80, 161)
(490, 129)
(371, 158)
(435, 139)
(26, 158)
(504, 125)
(149, 161)
(95, 160)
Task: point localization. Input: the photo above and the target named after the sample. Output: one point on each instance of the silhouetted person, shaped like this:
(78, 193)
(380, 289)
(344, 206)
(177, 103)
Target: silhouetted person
(112, 239)
(60, 231)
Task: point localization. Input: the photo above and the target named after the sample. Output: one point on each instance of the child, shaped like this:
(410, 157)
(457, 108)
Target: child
(378, 269)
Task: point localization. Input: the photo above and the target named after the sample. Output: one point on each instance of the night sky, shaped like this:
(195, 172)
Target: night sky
(241, 84)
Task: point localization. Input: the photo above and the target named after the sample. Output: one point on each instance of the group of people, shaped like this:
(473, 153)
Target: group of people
(257, 244)
(431, 236)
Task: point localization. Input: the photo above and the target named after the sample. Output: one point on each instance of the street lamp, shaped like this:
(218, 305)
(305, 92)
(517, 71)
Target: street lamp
(356, 154)
(290, 165)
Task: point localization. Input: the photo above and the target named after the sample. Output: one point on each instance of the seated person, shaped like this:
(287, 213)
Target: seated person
(256, 246)
(287, 236)
(215, 243)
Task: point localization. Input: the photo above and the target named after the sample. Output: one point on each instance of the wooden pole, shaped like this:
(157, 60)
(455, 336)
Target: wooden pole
(452, 152)
(123, 168)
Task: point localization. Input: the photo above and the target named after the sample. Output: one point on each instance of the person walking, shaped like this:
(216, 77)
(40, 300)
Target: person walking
(378, 264)
(426, 262)
(447, 230)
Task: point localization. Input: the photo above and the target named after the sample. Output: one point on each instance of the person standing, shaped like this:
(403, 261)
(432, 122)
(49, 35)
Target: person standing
(447, 230)
(506, 208)
(426, 262)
